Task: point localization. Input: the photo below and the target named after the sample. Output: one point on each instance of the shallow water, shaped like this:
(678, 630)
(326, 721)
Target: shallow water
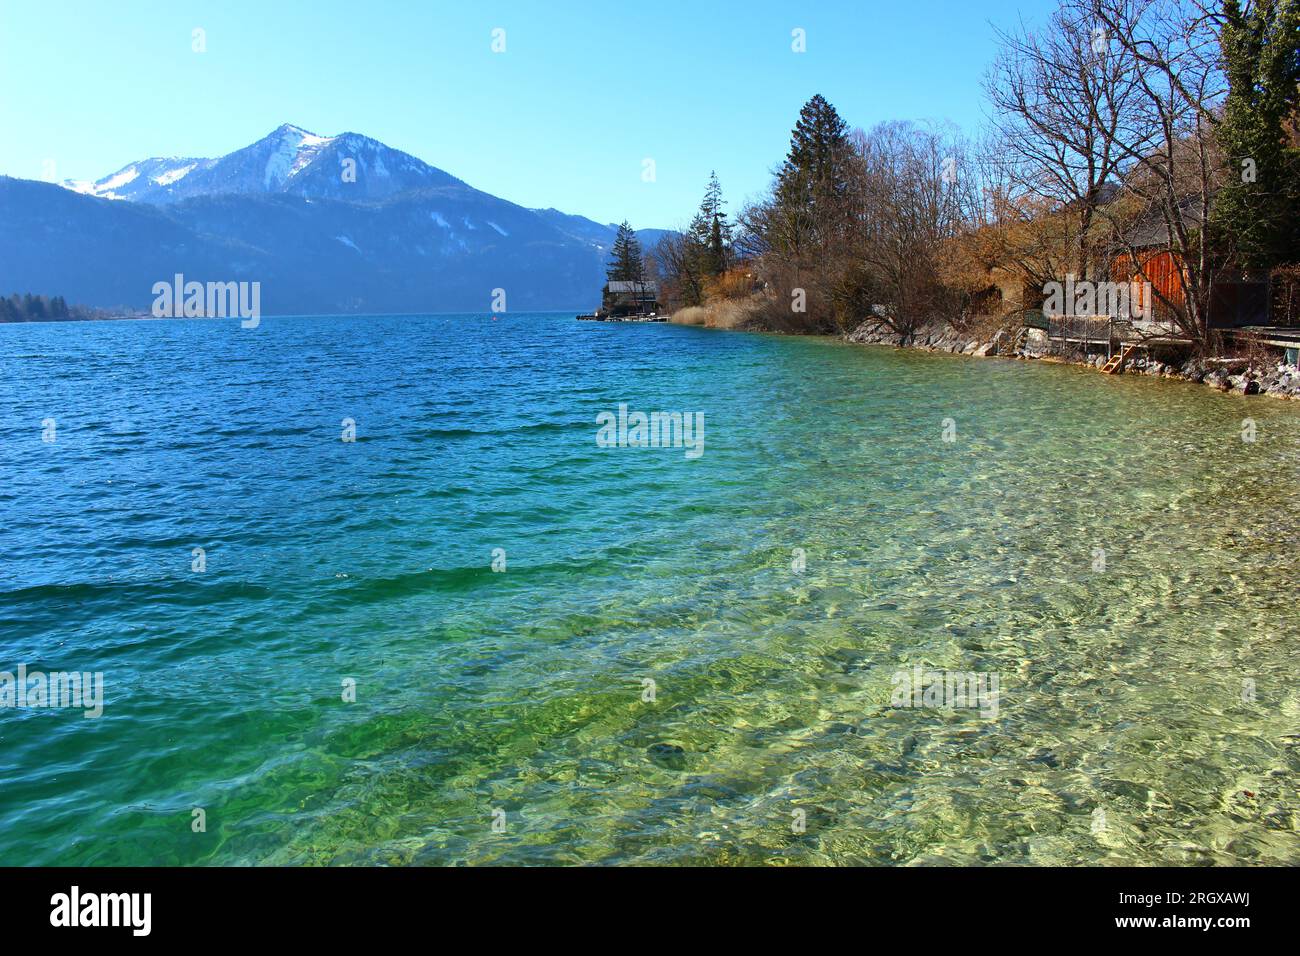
(1146, 690)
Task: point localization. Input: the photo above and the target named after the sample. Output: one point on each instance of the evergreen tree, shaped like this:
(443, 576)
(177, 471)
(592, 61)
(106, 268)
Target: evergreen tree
(715, 232)
(1256, 213)
(36, 308)
(815, 174)
(717, 257)
(709, 235)
(626, 263)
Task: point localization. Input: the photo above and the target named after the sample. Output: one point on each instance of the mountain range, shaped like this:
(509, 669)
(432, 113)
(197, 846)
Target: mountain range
(338, 224)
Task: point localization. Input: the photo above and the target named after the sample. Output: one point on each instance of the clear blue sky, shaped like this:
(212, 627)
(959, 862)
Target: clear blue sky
(584, 92)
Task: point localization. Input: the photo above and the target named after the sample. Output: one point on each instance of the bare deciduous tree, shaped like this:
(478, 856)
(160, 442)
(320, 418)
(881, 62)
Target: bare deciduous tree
(1173, 52)
(1063, 103)
(913, 192)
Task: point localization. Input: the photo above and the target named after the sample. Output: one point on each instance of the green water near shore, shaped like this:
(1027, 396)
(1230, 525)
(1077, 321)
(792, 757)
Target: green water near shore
(1144, 707)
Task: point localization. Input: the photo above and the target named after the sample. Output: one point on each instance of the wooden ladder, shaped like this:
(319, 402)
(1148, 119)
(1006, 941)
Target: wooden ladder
(1116, 362)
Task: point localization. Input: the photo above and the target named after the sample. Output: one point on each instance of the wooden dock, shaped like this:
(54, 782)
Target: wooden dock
(622, 318)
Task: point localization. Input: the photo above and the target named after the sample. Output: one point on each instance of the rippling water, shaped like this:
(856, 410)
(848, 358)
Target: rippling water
(1145, 704)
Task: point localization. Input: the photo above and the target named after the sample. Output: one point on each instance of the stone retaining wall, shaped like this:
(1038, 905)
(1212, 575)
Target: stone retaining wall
(1235, 375)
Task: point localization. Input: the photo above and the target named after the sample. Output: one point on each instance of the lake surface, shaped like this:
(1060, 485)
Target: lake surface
(1109, 548)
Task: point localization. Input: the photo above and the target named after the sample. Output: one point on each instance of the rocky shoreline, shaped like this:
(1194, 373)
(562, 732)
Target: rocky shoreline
(1241, 376)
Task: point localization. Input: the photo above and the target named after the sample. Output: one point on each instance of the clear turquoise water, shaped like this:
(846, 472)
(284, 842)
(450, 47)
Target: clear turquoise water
(521, 691)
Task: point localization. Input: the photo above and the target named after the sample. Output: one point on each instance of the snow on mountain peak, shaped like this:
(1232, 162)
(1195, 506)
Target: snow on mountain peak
(169, 177)
(289, 159)
(107, 187)
(294, 150)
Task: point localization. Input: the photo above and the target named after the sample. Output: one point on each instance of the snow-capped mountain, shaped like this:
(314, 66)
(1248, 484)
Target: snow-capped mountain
(290, 160)
(326, 223)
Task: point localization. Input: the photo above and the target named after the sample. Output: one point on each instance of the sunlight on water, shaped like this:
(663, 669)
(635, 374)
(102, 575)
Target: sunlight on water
(1109, 548)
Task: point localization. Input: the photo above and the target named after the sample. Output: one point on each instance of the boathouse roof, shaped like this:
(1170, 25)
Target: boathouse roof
(628, 286)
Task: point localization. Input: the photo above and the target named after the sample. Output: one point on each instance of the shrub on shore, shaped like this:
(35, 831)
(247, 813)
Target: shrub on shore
(724, 314)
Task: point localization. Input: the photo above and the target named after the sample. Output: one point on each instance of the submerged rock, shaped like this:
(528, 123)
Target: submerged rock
(1044, 756)
(668, 755)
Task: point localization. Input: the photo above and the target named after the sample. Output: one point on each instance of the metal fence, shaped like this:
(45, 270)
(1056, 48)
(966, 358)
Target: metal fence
(1088, 330)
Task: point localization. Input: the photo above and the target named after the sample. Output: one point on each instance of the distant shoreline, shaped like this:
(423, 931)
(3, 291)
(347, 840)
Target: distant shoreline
(146, 317)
